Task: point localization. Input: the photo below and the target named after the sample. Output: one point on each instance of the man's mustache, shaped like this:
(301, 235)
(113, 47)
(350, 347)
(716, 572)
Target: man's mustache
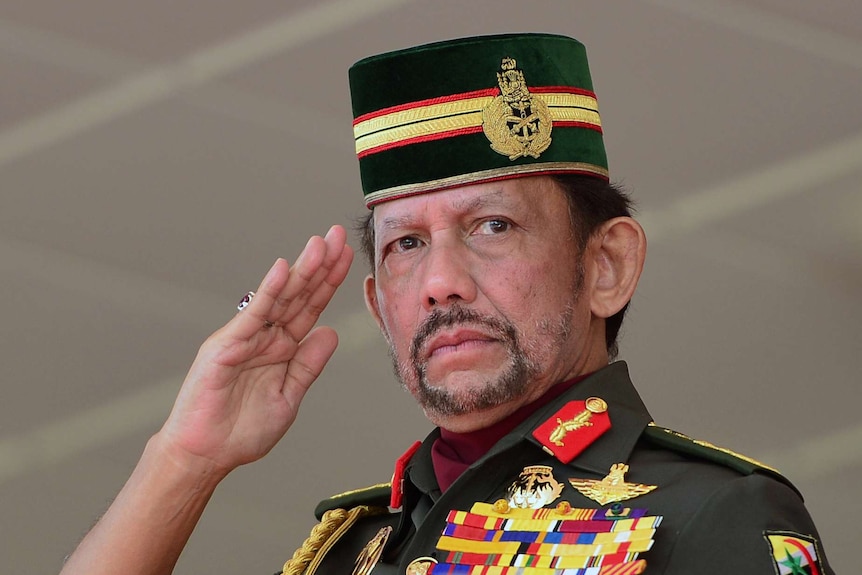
(457, 315)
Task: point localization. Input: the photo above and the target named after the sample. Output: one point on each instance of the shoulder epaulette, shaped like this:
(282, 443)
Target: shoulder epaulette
(676, 441)
(373, 496)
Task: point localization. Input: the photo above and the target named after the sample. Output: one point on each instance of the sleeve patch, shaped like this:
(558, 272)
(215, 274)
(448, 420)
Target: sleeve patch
(793, 553)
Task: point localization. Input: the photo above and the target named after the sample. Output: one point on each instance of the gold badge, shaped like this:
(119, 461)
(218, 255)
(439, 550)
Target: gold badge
(612, 488)
(420, 566)
(534, 488)
(370, 554)
(517, 123)
(594, 405)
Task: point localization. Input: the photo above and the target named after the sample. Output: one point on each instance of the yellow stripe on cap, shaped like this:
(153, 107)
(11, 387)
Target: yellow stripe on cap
(403, 125)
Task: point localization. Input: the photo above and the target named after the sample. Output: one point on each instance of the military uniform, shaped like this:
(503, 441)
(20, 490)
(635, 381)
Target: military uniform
(552, 496)
(720, 513)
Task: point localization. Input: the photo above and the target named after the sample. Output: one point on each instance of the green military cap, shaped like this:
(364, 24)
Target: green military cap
(474, 110)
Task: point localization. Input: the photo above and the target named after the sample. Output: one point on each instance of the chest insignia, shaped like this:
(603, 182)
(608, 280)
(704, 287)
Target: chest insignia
(573, 428)
(492, 539)
(534, 488)
(612, 488)
(370, 554)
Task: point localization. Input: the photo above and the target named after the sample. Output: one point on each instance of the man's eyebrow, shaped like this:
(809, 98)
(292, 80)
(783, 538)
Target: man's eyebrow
(479, 202)
(397, 222)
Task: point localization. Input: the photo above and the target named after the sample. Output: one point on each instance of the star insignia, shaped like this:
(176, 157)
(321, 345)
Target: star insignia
(612, 488)
(794, 563)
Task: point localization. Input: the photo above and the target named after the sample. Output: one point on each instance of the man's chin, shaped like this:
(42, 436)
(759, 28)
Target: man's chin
(470, 420)
(464, 395)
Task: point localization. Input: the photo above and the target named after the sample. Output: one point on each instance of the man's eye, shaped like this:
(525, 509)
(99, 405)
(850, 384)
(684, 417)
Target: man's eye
(405, 244)
(497, 226)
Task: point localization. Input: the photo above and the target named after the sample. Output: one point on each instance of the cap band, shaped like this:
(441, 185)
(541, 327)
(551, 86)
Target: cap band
(462, 114)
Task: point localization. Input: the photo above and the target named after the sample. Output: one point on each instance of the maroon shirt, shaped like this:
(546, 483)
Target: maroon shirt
(453, 453)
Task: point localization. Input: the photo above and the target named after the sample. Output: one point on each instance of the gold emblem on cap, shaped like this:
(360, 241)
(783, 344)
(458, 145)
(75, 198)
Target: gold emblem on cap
(534, 488)
(420, 566)
(612, 488)
(517, 123)
(370, 554)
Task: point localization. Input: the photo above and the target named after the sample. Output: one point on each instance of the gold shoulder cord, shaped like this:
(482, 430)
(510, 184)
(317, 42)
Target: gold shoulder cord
(323, 536)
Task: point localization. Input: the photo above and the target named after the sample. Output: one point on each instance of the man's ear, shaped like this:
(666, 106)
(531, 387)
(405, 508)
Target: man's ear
(618, 251)
(370, 287)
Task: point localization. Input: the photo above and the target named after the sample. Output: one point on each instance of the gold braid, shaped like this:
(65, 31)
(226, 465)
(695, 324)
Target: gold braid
(331, 520)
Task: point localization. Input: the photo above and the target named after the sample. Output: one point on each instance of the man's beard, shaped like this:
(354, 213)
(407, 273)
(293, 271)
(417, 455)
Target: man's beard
(513, 382)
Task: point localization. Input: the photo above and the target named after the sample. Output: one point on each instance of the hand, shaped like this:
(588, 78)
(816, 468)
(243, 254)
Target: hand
(243, 390)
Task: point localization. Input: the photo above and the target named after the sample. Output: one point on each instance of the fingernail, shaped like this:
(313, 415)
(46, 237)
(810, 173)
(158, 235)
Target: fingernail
(271, 270)
(329, 233)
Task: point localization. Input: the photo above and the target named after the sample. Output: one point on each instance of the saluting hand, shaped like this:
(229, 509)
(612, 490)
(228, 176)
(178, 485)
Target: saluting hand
(244, 388)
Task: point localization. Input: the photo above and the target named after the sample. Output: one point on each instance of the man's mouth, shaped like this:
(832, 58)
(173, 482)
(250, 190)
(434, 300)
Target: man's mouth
(457, 340)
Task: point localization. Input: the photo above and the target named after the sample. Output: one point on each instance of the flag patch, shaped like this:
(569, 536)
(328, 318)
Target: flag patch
(793, 553)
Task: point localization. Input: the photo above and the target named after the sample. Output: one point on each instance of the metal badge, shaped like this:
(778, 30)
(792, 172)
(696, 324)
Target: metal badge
(517, 123)
(573, 428)
(534, 488)
(420, 566)
(370, 554)
(612, 488)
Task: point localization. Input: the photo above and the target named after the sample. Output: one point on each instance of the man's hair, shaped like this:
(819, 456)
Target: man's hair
(591, 201)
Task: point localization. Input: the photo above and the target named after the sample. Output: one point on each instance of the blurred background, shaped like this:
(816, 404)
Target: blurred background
(156, 157)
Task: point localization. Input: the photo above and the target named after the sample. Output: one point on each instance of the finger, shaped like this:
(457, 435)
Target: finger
(307, 364)
(273, 295)
(249, 321)
(316, 301)
(308, 274)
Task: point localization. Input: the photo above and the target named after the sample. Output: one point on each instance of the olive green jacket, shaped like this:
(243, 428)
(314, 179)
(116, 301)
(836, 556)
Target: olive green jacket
(718, 509)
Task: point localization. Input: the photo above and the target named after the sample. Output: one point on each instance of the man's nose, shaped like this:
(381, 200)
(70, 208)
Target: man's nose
(447, 276)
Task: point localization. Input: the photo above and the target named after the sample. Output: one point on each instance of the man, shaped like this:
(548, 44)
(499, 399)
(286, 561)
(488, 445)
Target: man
(502, 263)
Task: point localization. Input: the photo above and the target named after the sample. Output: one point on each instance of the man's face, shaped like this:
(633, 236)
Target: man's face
(478, 291)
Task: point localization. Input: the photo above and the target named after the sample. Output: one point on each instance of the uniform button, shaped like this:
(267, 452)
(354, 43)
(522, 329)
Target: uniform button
(596, 405)
(420, 566)
(501, 506)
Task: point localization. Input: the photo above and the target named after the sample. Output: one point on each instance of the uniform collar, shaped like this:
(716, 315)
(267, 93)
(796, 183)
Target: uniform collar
(628, 414)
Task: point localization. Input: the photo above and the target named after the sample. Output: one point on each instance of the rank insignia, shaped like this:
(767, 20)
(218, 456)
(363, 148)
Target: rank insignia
(793, 553)
(534, 488)
(370, 554)
(612, 488)
(573, 428)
